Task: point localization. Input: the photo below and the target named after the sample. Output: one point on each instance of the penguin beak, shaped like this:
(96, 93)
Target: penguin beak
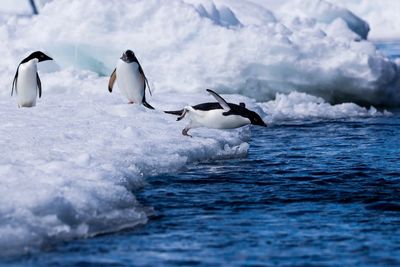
(263, 124)
(45, 58)
(260, 123)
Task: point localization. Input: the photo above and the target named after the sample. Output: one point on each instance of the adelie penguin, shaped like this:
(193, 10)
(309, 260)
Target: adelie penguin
(217, 115)
(130, 79)
(27, 84)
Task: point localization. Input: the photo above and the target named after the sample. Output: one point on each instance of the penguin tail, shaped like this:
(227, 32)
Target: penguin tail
(181, 113)
(175, 112)
(147, 105)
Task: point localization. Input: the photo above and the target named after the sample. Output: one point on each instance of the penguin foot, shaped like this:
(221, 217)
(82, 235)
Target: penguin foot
(185, 132)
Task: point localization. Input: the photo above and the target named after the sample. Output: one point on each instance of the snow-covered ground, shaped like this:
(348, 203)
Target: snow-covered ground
(69, 165)
(232, 46)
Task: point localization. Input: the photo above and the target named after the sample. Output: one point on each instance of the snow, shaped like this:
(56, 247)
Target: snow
(300, 106)
(325, 12)
(70, 167)
(215, 44)
(382, 16)
(319, 52)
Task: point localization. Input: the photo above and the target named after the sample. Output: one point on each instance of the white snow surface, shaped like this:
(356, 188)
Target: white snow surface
(382, 16)
(232, 46)
(70, 166)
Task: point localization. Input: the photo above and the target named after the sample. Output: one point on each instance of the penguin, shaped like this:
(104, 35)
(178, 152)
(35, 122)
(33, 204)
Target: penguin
(217, 115)
(130, 79)
(26, 81)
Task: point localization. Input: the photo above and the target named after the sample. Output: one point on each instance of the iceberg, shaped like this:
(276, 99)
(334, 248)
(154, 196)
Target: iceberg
(382, 16)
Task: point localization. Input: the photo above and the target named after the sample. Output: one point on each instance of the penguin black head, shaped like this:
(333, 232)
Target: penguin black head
(129, 56)
(38, 55)
(255, 119)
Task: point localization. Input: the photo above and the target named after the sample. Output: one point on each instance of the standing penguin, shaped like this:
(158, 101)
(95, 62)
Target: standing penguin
(131, 79)
(218, 115)
(26, 80)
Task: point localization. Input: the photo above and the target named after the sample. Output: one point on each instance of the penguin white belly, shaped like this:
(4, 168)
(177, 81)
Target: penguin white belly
(130, 81)
(27, 84)
(215, 119)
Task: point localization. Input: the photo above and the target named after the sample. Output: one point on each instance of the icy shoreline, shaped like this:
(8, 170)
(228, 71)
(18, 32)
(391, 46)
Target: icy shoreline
(68, 168)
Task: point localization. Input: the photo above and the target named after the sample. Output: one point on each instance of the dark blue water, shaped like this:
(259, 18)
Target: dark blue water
(310, 193)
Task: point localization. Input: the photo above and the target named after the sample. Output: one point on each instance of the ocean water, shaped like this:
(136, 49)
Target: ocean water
(310, 193)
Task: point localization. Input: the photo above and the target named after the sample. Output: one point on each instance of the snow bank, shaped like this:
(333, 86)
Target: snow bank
(382, 16)
(233, 46)
(227, 45)
(300, 106)
(325, 12)
(68, 166)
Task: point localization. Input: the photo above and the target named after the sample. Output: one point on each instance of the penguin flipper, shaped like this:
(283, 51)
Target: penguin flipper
(221, 101)
(145, 81)
(15, 82)
(227, 113)
(111, 82)
(39, 85)
(147, 105)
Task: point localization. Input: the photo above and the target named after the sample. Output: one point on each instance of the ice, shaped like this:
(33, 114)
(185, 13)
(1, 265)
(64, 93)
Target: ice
(325, 12)
(300, 106)
(198, 44)
(382, 26)
(223, 17)
(382, 16)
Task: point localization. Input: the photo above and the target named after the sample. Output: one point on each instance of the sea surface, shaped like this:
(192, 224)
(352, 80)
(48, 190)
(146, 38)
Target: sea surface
(310, 193)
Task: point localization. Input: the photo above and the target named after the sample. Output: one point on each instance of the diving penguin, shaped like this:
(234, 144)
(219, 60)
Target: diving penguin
(26, 81)
(130, 79)
(217, 115)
